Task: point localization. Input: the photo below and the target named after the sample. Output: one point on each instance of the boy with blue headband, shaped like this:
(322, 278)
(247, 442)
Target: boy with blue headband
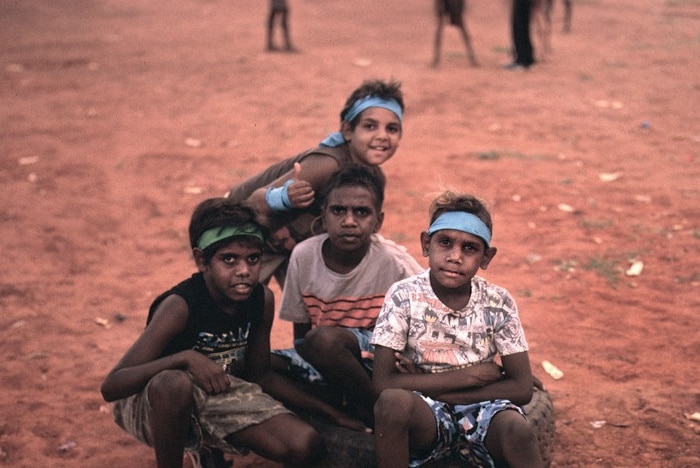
(286, 192)
(194, 379)
(436, 340)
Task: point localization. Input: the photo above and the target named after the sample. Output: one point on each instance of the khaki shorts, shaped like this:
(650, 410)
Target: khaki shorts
(214, 417)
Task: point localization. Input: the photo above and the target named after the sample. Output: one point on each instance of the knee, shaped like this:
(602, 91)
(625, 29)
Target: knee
(323, 342)
(393, 408)
(171, 390)
(305, 447)
(513, 428)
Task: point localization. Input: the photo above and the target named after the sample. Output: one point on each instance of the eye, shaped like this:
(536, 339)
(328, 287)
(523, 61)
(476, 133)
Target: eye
(361, 212)
(470, 247)
(338, 210)
(393, 129)
(229, 259)
(254, 259)
(369, 125)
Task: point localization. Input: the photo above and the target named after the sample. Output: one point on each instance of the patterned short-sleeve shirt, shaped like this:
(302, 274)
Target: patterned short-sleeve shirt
(415, 322)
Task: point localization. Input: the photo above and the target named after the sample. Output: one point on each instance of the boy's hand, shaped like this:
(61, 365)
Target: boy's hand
(405, 365)
(485, 373)
(208, 375)
(300, 192)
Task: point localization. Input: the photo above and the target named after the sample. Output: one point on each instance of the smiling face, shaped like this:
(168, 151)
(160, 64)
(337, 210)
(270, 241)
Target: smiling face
(232, 272)
(454, 258)
(350, 216)
(375, 138)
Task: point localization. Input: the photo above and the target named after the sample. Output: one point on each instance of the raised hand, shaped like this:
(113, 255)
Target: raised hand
(300, 192)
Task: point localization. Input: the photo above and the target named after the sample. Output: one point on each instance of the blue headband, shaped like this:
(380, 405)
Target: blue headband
(461, 221)
(336, 139)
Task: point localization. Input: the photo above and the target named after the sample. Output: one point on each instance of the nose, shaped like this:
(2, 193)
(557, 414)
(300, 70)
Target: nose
(242, 269)
(454, 255)
(349, 219)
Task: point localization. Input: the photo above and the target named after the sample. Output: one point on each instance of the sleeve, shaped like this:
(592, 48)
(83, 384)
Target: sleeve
(292, 307)
(508, 330)
(391, 329)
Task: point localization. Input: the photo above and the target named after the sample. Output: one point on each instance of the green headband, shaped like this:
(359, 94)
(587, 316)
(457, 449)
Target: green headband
(225, 232)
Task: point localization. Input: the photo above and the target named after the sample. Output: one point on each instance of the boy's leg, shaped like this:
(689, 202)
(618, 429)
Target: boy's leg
(171, 399)
(271, 29)
(283, 438)
(403, 423)
(437, 45)
(335, 352)
(285, 31)
(511, 439)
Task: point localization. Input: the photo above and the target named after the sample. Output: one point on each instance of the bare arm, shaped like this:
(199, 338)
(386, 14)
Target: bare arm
(309, 178)
(390, 372)
(142, 361)
(516, 385)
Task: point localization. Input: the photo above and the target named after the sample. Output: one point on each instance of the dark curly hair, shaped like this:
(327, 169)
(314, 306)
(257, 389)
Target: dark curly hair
(453, 201)
(220, 212)
(379, 88)
(357, 176)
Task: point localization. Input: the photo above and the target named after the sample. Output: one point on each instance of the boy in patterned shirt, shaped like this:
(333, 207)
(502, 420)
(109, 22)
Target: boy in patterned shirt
(436, 341)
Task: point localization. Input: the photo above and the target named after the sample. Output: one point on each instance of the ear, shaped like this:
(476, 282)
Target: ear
(199, 260)
(380, 221)
(488, 256)
(425, 243)
(346, 130)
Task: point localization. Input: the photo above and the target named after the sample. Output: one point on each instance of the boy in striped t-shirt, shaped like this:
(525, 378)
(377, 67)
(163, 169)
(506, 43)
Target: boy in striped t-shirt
(335, 287)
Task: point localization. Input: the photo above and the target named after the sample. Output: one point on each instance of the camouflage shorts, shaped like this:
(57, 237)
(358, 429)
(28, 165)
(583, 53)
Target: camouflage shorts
(214, 417)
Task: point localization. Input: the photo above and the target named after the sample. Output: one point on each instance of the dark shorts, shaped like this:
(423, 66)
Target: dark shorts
(461, 431)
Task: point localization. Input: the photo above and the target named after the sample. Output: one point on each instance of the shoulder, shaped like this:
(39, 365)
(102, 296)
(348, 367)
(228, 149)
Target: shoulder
(405, 286)
(310, 245)
(487, 287)
(307, 252)
(183, 292)
(395, 254)
(491, 294)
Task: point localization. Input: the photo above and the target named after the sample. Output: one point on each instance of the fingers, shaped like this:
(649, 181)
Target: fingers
(297, 171)
(218, 384)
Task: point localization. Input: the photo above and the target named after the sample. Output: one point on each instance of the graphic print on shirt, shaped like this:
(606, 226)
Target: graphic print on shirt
(224, 348)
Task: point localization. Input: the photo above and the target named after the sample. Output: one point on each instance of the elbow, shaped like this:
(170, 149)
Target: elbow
(523, 395)
(110, 389)
(107, 393)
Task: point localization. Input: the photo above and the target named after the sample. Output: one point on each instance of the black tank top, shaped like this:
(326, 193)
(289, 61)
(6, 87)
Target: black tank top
(211, 331)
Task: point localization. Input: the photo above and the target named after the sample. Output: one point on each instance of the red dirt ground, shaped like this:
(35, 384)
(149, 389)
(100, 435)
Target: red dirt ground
(119, 116)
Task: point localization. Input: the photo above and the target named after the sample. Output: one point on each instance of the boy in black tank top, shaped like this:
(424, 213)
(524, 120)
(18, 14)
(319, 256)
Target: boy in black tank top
(194, 380)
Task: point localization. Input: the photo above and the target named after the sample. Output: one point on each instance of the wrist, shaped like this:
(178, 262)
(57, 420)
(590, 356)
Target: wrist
(277, 198)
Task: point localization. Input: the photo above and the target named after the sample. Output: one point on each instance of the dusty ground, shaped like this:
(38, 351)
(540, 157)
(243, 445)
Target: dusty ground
(118, 116)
